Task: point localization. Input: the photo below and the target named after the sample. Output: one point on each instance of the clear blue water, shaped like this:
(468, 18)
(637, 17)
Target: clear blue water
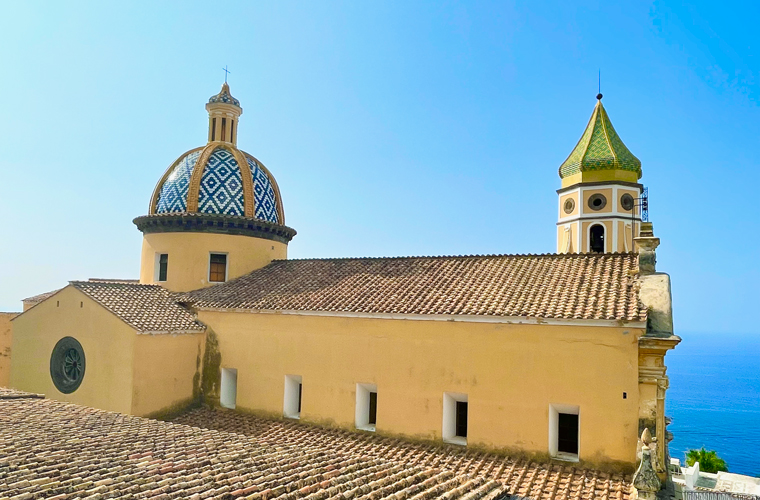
(714, 398)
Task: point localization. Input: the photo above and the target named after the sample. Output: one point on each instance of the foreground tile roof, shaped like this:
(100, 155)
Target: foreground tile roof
(523, 478)
(573, 286)
(55, 450)
(147, 308)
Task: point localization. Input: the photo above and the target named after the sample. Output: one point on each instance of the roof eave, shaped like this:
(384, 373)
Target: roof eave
(461, 318)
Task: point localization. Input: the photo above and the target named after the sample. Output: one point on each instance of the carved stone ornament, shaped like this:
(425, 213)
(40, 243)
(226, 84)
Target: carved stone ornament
(645, 479)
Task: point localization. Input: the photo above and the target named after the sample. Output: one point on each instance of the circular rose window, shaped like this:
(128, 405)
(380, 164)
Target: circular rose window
(597, 202)
(569, 206)
(626, 201)
(67, 365)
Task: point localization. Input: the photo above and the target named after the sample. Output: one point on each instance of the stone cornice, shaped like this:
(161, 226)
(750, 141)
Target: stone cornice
(212, 223)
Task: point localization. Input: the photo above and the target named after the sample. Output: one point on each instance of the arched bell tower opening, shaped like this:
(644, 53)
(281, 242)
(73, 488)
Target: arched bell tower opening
(596, 238)
(598, 211)
(216, 213)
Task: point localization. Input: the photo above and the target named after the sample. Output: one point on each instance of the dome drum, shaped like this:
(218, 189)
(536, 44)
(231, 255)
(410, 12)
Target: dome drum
(212, 223)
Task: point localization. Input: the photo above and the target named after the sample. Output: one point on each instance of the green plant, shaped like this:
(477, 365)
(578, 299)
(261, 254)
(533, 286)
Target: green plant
(709, 461)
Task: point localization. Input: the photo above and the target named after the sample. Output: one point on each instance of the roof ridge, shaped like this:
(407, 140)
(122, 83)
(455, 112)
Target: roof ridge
(468, 256)
(115, 282)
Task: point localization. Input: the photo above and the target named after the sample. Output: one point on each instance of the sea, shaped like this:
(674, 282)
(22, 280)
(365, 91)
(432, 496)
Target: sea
(714, 398)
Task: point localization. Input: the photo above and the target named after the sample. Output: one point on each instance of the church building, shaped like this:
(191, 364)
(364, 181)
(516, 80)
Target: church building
(555, 356)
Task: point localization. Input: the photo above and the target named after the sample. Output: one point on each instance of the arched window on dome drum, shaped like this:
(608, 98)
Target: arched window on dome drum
(596, 238)
(224, 129)
(213, 129)
(232, 130)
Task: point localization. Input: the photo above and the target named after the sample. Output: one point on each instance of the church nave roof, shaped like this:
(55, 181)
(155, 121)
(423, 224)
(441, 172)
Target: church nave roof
(570, 287)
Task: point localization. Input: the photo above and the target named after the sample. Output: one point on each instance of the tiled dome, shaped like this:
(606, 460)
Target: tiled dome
(211, 180)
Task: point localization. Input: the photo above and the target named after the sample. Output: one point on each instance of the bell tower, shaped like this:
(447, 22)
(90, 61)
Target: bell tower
(599, 201)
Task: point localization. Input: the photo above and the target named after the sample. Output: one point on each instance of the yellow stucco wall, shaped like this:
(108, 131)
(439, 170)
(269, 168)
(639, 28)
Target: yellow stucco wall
(5, 347)
(562, 199)
(165, 371)
(511, 374)
(589, 192)
(106, 340)
(189, 253)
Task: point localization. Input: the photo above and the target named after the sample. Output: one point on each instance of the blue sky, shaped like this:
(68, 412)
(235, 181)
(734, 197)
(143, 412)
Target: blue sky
(393, 128)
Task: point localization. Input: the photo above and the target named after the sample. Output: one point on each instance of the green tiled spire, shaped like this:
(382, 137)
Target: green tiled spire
(600, 148)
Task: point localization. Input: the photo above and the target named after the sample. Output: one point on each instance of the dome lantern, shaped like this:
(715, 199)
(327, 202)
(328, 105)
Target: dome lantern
(223, 115)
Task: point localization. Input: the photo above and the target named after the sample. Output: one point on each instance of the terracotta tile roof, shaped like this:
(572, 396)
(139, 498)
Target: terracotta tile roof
(55, 450)
(36, 299)
(147, 308)
(524, 478)
(574, 286)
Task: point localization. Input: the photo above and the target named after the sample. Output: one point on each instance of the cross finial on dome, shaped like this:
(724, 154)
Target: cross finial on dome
(226, 73)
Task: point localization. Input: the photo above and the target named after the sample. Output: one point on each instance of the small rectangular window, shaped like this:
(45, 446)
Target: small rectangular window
(567, 434)
(372, 408)
(455, 418)
(228, 393)
(564, 432)
(291, 407)
(163, 264)
(224, 129)
(213, 129)
(366, 407)
(217, 271)
(300, 394)
(232, 130)
(461, 426)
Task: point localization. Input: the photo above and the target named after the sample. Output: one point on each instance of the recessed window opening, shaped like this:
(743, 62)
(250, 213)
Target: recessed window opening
(625, 395)
(366, 407)
(213, 129)
(597, 202)
(81, 305)
(224, 129)
(232, 130)
(564, 432)
(626, 202)
(293, 396)
(596, 238)
(163, 266)
(217, 271)
(455, 417)
(228, 392)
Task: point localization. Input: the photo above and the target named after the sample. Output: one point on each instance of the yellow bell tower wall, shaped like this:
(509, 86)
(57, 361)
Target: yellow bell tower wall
(189, 254)
(107, 342)
(578, 213)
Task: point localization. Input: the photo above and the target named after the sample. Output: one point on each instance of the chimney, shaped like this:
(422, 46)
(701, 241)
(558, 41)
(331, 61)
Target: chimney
(645, 245)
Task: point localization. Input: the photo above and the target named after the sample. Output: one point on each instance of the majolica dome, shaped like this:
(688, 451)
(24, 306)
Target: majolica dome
(219, 179)
(600, 148)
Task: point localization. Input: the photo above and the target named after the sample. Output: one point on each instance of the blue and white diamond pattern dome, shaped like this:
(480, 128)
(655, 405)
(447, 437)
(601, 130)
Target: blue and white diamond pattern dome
(222, 187)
